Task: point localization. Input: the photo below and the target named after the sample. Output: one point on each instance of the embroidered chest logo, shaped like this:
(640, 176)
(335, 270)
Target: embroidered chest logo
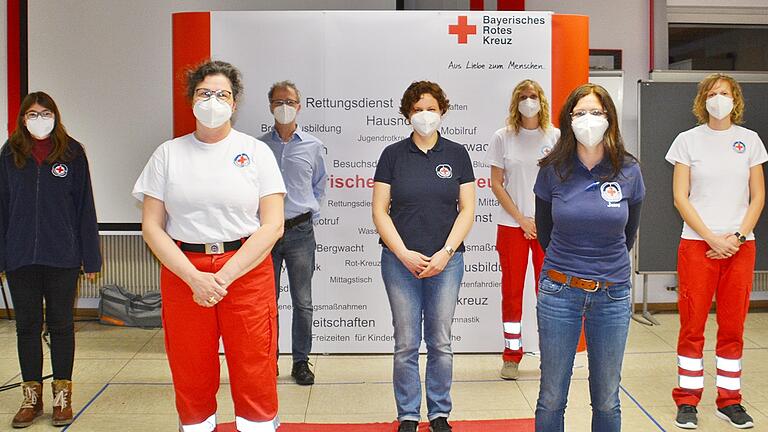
(739, 147)
(59, 170)
(444, 171)
(611, 193)
(545, 150)
(242, 160)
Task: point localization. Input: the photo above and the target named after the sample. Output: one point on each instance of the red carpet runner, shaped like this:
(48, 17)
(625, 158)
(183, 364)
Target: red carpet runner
(514, 425)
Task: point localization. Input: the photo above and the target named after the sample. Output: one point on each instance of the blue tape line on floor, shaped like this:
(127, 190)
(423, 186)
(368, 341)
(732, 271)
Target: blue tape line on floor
(647, 414)
(79, 413)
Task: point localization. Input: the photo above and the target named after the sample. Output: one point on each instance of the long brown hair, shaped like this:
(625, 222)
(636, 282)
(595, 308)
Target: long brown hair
(21, 141)
(561, 156)
(515, 119)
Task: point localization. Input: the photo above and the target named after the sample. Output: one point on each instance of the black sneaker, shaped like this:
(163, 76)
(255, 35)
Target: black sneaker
(440, 424)
(736, 415)
(686, 417)
(302, 374)
(408, 426)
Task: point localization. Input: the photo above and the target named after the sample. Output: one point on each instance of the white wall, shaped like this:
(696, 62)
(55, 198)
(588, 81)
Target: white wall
(3, 71)
(108, 66)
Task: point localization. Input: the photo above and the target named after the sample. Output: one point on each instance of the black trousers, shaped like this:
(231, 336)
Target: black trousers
(29, 285)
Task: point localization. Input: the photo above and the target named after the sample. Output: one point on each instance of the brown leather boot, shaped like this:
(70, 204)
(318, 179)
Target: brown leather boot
(31, 407)
(62, 402)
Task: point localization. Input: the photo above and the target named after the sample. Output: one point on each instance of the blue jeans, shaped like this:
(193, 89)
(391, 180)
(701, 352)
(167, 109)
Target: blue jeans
(412, 300)
(297, 249)
(605, 313)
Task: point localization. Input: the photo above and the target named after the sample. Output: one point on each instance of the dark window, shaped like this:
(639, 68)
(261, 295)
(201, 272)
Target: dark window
(718, 47)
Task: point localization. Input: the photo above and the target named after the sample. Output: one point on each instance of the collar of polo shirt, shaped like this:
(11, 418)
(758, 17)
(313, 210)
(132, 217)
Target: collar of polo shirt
(437, 147)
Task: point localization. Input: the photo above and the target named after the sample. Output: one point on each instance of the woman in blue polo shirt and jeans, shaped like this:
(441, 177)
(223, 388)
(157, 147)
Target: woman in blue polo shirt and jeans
(588, 197)
(423, 207)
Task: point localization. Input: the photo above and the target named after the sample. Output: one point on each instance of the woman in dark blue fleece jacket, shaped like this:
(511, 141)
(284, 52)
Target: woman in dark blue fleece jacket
(48, 232)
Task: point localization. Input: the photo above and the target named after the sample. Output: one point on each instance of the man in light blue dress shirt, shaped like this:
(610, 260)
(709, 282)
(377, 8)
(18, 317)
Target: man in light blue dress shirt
(300, 158)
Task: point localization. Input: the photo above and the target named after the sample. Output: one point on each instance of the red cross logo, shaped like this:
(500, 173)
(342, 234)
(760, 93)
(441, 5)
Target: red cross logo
(59, 170)
(739, 147)
(242, 160)
(444, 171)
(462, 29)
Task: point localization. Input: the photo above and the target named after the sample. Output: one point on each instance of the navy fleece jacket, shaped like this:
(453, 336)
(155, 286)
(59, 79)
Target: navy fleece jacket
(47, 213)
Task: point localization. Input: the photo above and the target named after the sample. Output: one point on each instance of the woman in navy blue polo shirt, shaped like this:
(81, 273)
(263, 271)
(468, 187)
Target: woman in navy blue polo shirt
(48, 233)
(423, 207)
(588, 197)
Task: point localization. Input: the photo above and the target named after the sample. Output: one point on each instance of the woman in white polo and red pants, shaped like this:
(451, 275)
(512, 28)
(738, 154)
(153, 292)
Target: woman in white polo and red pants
(719, 191)
(213, 209)
(513, 155)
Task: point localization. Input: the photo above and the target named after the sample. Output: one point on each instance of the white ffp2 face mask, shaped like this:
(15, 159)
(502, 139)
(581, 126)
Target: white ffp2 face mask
(212, 112)
(719, 106)
(529, 107)
(40, 127)
(284, 114)
(425, 123)
(589, 129)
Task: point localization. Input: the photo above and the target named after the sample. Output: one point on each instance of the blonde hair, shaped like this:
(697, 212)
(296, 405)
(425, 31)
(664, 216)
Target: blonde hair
(700, 102)
(515, 119)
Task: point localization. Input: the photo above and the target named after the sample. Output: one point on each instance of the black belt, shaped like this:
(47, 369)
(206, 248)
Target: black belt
(211, 248)
(292, 222)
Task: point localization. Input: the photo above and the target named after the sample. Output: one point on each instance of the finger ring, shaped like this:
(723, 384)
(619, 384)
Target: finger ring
(211, 299)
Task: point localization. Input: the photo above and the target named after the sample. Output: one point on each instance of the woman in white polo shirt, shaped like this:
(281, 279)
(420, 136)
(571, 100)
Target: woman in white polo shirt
(719, 191)
(513, 154)
(213, 209)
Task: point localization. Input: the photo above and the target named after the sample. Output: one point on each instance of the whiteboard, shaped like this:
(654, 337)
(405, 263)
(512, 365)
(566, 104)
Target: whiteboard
(613, 81)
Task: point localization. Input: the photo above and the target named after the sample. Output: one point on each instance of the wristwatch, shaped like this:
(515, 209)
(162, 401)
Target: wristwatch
(450, 250)
(740, 237)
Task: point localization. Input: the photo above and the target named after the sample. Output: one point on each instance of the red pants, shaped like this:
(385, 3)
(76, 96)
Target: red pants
(246, 320)
(513, 248)
(730, 282)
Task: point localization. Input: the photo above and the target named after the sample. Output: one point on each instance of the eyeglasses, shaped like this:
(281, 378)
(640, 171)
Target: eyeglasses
(33, 115)
(205, 94)
(278, 102)
(594, 112)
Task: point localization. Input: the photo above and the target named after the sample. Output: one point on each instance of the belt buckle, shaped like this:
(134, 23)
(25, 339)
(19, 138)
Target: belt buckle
(597, 287)
(214, 248)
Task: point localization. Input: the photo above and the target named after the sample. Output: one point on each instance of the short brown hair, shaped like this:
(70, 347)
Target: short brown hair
(214, 67)
(700, 102)
(515, 119)
(413, 94)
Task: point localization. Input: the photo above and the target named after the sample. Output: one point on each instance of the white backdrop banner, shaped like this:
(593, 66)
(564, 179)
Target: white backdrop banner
(351, 69)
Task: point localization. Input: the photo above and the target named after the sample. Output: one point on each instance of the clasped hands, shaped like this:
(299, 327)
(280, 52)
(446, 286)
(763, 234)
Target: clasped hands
(723, 246)
(422, 266)
(207, 288)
